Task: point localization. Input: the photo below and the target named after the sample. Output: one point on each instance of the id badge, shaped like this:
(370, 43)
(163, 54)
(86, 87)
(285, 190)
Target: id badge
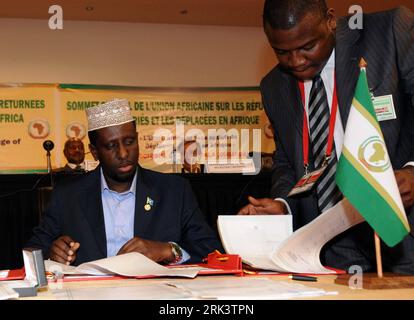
(306, 184)
(384, 108)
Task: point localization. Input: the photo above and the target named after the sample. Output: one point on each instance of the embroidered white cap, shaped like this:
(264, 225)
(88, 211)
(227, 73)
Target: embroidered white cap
(108, 114)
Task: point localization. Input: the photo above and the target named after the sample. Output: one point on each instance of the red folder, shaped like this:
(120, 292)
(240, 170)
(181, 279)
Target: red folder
(76, 278)
(16, 274)
(218, 263)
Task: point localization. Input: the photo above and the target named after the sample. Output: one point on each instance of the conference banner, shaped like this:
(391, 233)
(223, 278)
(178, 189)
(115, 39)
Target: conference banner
(227, 122)
(27, 119)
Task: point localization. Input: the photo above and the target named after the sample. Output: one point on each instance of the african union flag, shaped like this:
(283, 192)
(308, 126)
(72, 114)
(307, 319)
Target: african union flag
(364, 173)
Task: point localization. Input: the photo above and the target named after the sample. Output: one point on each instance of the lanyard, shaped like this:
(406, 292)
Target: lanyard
(305, 132)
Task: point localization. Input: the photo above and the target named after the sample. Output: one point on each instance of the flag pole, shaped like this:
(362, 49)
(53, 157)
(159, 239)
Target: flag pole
(363, 64)
(378, 255)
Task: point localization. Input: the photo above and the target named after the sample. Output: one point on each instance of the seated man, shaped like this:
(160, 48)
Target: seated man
(74, 152)
(121, 207)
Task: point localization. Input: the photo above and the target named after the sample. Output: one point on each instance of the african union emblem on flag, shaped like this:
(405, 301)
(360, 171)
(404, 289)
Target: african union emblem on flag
(365, 174)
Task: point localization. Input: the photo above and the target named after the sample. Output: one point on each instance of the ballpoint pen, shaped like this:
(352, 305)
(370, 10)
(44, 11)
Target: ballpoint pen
(302, 278)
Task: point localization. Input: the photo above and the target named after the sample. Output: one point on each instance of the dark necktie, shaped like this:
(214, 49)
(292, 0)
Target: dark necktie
(327, 192)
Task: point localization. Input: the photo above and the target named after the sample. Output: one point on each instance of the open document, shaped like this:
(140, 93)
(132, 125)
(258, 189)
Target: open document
(266, 242)
(132, 264)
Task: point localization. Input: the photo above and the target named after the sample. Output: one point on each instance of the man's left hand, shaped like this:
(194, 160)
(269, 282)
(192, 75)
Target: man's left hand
(405, 181)
(155, 250)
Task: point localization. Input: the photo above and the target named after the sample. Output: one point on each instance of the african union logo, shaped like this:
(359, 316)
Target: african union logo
(75, 130)
(373, 154)
(39, 128)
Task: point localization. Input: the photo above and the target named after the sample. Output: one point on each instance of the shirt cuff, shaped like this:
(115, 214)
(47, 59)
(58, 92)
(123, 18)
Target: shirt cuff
(411, 163)
(286, 204)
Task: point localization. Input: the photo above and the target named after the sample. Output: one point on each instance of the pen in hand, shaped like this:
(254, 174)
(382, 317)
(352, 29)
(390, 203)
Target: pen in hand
(302, 278)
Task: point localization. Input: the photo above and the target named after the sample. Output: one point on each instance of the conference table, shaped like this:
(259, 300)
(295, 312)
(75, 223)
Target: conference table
(23, 197)
(116, 298)
(137, 289)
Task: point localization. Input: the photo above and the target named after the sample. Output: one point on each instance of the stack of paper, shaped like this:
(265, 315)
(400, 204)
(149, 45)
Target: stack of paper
(247, 289)
(6, 292)
(266, 242)
(231, 288)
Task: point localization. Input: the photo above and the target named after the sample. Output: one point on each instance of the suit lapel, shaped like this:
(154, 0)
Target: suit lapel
(146, 202)
(297, 107)
(94, 210)
(287, 111)
(347, 55)
(290, 102)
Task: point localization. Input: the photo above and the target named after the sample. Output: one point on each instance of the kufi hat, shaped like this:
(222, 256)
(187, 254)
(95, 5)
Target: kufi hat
(108, 114)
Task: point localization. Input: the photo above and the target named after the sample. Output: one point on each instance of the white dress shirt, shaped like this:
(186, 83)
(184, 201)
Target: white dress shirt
(119, 214)
(74, 166)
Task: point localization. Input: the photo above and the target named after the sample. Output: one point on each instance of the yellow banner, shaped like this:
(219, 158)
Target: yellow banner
(27, 119)
(232, 120)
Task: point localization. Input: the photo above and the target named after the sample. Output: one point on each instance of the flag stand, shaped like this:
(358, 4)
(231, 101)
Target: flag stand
(378, 280)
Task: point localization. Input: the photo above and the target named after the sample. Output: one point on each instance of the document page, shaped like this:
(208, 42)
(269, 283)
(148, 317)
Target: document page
(246, 288)
(131, 264)
(153, 291)
(300, 252)
(6, 292)
(254, 237)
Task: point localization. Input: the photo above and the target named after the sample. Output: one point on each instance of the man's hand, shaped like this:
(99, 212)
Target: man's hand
(156, 251)
(64, 250)
(405, 181)
(263, 206)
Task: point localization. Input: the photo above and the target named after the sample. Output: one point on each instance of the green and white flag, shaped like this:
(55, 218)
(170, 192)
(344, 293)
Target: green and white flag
(364, 173)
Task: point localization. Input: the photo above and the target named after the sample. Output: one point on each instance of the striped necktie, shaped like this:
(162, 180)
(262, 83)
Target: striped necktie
(327, 192)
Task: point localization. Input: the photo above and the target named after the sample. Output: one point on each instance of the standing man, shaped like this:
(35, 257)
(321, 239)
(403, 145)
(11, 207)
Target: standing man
(121, 207)
(318, 65)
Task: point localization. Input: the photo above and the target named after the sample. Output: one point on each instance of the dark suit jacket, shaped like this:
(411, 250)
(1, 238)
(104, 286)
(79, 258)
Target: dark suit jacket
(76, 210)
(387, 44)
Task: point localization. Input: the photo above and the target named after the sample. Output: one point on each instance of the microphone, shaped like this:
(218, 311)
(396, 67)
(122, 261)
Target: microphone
(242, 192)
(257, 160)
(48, 145)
